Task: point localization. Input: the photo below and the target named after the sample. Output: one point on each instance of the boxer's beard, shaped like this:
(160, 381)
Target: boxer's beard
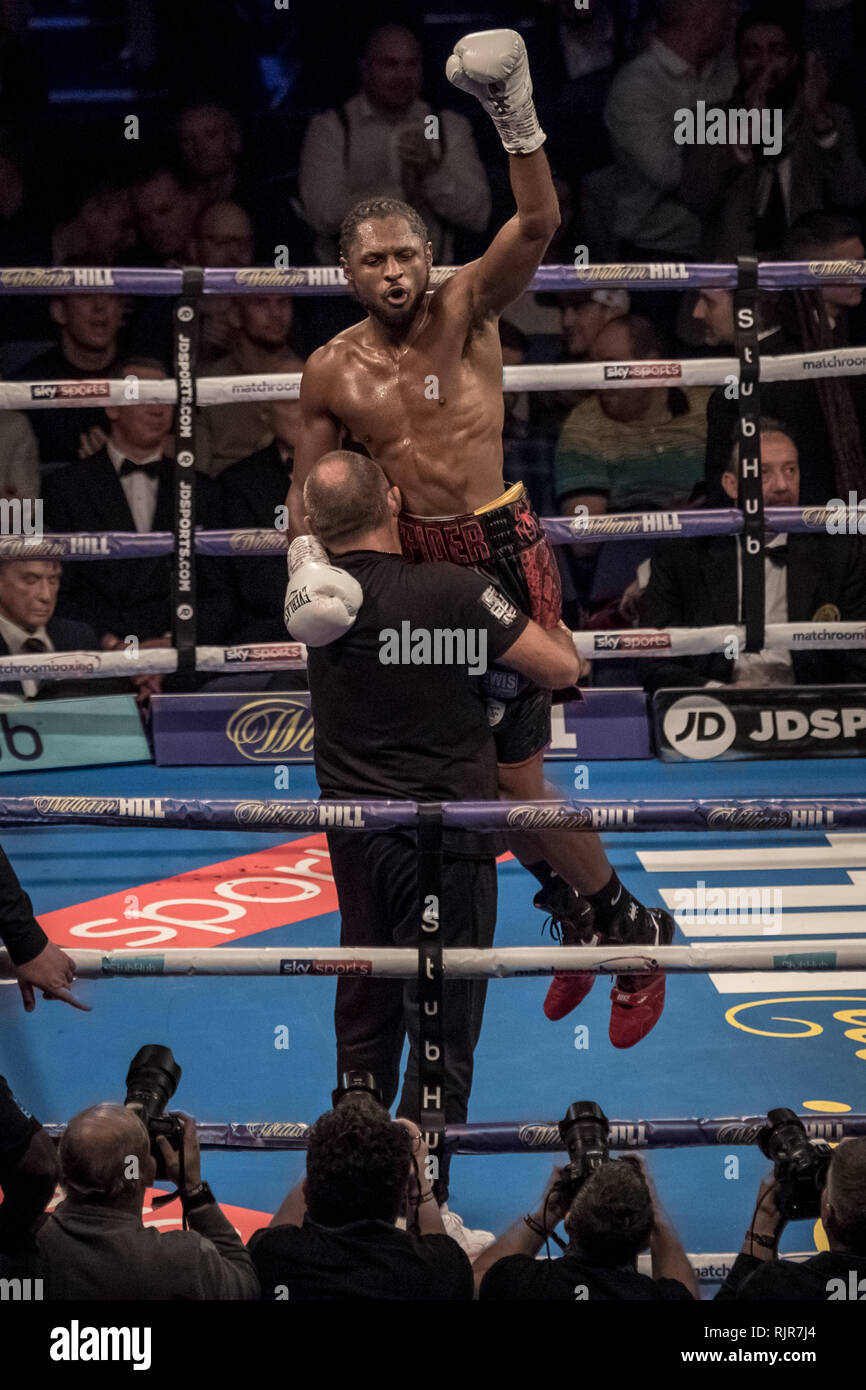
(397, 319)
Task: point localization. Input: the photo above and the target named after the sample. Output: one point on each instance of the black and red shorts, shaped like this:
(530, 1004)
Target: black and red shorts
(505, 542)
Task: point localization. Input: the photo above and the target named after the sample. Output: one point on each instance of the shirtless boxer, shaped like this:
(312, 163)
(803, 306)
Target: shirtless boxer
(419, 384)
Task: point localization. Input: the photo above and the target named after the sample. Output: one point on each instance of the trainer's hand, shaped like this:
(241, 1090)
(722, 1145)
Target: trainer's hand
(53, 972)
(493, 66)
(322, 601)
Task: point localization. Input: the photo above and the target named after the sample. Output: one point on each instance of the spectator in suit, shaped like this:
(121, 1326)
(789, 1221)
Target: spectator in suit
(128, 486)
(694, 583)
(746, 198)
(376, 145)
(254, 492)
(89, 327)
(28, 598)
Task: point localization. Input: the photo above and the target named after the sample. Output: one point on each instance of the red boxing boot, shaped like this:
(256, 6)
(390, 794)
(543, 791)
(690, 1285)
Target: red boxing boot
(638, 1000)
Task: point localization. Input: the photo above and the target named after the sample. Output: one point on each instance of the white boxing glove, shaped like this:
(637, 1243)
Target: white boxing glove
(322, 602)
(493, 66)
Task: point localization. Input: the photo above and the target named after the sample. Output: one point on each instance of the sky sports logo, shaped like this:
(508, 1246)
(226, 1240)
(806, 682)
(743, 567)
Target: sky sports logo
(68, 390)
(642, 371)
(326, 967)
(632, 642)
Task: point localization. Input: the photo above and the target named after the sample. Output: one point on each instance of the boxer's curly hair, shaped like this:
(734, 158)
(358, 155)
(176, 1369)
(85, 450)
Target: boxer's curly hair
(374, 210)
(358, 1163)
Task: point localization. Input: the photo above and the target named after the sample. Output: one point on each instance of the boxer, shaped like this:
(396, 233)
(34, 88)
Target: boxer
(418, 384)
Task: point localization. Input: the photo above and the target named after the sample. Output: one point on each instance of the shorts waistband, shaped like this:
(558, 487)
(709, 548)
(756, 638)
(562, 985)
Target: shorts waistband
(498, 530)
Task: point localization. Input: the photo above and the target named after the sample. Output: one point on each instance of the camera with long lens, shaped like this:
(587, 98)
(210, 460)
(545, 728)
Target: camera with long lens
(150, 1084)
(800, 1166)
(357, 1083)
(585, 1133)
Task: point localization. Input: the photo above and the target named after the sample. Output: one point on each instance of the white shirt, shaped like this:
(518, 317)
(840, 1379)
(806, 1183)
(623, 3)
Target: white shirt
(455, 191)
(640, 115)
(15, 637)
(767, 667)
(139, 489)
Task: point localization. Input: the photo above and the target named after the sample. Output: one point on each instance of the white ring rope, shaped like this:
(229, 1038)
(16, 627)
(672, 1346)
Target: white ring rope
(562, 376)
(512, 962)
(626, 644)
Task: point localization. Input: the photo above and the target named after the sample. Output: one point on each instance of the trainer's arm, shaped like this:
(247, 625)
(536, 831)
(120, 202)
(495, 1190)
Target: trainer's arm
(319, 433)
(547, 658)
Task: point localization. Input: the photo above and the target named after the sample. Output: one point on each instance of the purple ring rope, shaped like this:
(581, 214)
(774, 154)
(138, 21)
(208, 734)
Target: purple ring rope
(619, 526)
(512, 1136)
(329, 280)
(848, 813)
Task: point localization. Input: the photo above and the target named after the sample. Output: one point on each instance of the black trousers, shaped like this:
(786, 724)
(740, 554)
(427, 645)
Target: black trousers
(377, 885)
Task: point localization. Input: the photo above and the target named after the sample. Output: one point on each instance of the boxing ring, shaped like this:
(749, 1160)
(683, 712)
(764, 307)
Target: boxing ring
(726, 820)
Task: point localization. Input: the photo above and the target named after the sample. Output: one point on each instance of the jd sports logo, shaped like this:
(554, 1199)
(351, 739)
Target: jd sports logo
(699, 727)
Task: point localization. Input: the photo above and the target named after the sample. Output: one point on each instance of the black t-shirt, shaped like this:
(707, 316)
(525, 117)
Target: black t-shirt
(58, 432)
(519, 1277)
(365, 1260)
(762, 1280)
(390, 726)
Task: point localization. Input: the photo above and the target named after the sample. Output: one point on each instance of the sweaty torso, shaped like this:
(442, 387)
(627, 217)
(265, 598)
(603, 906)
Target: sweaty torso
(429, 410)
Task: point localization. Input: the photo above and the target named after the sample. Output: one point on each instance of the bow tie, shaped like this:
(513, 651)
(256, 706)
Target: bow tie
(151, 470)
(777, 553)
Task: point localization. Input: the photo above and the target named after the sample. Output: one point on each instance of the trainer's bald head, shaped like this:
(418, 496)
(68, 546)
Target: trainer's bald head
(96, 1152)
(346, 495)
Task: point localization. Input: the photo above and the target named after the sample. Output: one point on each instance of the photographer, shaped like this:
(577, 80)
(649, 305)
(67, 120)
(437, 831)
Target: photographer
(758, 1274)
(614, 1216)
(95, 1246)
(336, 1234)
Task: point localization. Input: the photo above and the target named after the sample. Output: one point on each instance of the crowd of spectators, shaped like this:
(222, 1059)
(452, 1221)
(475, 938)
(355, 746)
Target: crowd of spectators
(272, 176)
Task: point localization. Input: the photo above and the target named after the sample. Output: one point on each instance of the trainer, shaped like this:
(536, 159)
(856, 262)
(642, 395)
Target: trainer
(398, 716)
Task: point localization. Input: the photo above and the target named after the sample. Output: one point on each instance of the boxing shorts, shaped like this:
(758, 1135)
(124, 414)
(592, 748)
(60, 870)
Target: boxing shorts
(502, 540)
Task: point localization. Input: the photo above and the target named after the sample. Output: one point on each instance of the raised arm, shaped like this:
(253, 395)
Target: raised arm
(493, 66)
(320, 431)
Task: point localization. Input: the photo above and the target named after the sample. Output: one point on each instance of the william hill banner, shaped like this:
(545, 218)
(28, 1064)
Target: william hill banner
(798, 721)
(222, 730)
